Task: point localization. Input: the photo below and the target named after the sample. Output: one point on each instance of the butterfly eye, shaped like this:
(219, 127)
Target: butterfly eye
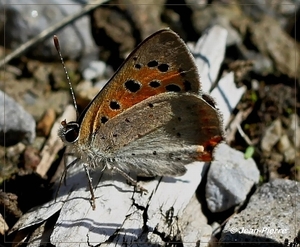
(71, 132)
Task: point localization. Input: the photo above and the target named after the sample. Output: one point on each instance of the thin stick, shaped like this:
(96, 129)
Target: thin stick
(243, 134)
(50, 31)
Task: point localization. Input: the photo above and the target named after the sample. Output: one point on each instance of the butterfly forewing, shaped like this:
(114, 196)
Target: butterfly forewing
(162, 63)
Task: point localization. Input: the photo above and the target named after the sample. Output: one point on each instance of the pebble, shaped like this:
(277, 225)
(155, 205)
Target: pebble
(26, 21)
(16, 125)
(269, 218)
(271, 136)
(230, 179)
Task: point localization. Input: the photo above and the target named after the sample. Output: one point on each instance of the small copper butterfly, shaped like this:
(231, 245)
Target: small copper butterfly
(151, 117)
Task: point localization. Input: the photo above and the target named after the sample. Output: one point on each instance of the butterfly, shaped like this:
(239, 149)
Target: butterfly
(151, 118)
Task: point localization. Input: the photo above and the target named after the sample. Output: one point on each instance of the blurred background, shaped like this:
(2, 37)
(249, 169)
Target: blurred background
(262, 49)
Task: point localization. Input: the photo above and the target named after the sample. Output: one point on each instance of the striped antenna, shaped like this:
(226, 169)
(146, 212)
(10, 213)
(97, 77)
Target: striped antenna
(57, 46)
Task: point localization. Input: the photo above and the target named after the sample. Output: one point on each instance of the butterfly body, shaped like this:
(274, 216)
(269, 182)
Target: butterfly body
(151, 117)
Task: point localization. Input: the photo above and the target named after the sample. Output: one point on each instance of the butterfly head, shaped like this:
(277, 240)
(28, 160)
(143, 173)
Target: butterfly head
(69, 132)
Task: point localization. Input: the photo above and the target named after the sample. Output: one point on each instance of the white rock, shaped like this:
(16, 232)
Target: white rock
(230, 179)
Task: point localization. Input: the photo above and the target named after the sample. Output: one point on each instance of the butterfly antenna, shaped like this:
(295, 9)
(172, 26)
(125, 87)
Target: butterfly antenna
(57, 46)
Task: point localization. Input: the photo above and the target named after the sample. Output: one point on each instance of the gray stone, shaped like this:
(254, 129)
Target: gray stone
(271, 216)
(25, 21)
(94, 69)
(16, 125)
(230, 179)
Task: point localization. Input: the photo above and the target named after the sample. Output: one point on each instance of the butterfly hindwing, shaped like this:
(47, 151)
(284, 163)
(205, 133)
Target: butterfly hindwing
(160, 135)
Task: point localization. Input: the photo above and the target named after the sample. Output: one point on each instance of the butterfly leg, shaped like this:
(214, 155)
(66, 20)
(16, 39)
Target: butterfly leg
(93, 202)
(130, 179)
(63, 177)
